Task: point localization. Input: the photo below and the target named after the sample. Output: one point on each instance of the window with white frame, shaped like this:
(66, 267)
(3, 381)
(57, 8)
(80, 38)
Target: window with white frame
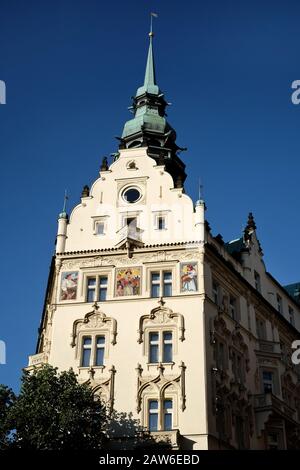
(161, 283)
(160, 415)
(99, 225)
(153, 415)
(96, 288)
(160, 347)
(92, 351)
(160, 221)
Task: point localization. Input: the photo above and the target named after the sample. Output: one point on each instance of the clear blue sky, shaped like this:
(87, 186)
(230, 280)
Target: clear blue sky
(71, 67)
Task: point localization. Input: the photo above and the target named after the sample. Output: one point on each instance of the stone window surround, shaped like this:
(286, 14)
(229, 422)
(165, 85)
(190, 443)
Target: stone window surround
(149, 395)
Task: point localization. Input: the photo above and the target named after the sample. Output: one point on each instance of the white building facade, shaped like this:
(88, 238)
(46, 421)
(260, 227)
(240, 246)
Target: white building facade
(189, 334)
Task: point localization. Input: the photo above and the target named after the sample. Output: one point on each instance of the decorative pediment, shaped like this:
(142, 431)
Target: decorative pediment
(94, 320)
(160, 383)
(161, 316)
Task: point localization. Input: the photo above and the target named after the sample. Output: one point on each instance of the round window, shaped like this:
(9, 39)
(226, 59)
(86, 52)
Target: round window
(131, 195)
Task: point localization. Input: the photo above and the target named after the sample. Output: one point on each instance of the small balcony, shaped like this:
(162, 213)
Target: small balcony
(129, 235)
(267, 404)
(268, 347)
(37, 360)
(170, 437)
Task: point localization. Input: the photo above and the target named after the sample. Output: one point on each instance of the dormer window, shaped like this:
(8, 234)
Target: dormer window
(161, 223)
(100, 228)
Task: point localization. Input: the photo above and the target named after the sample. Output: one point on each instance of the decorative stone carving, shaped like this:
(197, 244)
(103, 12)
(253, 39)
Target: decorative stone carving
(161, 316)
(94, 320)
(160, 383)
(105, 387)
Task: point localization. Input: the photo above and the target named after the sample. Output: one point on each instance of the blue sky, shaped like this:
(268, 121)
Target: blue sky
(70, 69)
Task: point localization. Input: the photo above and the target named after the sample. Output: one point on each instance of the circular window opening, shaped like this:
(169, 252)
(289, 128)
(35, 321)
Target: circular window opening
(131, 195)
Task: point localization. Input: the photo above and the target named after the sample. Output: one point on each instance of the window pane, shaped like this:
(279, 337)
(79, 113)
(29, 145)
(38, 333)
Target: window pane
(167, 336)
(167, 290)
(153, 415)
(167, 276)
(87, 341)
(153, 337)
(155, 276)
(167, 347)
(153, 353)
(167, 357)
(168, 404)
(100, 228)
(153, 405)
(100, 340)
(167, 421)
(102, 294)
(155, 290)
(103, 281)
(100, 356)
(168, 415)
(153, 421)
(91, 295)
(91, 281)
(161, 223)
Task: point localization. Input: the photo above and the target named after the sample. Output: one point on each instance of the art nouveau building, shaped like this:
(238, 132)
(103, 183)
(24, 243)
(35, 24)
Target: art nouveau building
(190, 334)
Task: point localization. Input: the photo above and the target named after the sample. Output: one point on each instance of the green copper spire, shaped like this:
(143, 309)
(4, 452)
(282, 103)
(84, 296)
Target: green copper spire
(150, 79)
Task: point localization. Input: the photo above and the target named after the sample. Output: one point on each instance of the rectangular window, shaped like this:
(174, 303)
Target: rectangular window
(261, 329)
(167, 288)
(167, 346)
(155, 284)
(91, 289)
(291, 316)
(161, 284)
(97, 289)
(215, 292)
(100, 228)
(161, 223)
(100, 345)
(257, 281)
(86, 351)
(168, 409)
(153, 347)
(153, 415)
(232, 308)
(268, 381)
(279, 303)
(102, 288)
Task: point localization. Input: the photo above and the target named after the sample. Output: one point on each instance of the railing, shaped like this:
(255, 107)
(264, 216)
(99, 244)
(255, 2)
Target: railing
(128, 231)
(38, 359)
(269, 401)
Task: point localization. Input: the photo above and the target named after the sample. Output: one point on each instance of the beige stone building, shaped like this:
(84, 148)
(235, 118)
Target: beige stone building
(190, 334)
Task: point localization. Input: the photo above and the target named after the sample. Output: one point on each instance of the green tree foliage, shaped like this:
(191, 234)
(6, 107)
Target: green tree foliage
(53, 412)
(7, 398)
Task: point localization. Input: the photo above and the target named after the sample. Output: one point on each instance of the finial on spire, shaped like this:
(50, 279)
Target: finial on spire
(66, 197)
(63, 214)
(152, 15)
